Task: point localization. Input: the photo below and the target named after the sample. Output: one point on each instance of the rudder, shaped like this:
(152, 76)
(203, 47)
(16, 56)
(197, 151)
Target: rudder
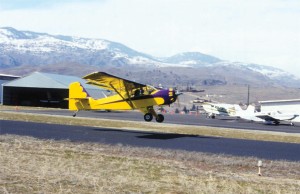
(78, 97)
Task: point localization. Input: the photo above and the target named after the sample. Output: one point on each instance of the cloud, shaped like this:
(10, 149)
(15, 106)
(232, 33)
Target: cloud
(36, 4)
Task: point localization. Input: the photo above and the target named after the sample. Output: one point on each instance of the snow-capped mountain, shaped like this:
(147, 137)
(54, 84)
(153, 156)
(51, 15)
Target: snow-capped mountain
(25, 50)
(25, 47)
(191, 58)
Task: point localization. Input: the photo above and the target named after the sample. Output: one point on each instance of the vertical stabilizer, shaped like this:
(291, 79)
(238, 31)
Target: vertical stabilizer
(78, 97)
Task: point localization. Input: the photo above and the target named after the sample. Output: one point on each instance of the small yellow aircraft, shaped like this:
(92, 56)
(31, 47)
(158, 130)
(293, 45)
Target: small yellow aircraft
(128, 95)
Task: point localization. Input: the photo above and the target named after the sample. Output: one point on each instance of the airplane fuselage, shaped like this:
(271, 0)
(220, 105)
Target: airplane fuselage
(123, 102)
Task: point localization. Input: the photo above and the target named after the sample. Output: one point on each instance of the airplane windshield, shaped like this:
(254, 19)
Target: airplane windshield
(150, 89)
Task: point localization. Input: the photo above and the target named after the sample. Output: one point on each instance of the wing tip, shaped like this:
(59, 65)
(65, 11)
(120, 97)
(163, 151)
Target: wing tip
(98, 73)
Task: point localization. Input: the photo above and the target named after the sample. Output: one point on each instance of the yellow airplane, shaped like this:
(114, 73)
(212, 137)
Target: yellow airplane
(128, 95)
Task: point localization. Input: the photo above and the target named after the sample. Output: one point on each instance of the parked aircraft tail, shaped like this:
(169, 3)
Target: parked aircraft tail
(248, 114)
(238, 109)
(250, 109)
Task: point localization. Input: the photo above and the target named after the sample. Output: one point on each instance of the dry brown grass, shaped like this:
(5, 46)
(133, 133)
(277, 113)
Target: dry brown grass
(29, 165)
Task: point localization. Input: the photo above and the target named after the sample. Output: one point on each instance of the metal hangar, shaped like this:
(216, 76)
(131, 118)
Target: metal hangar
(43, 90)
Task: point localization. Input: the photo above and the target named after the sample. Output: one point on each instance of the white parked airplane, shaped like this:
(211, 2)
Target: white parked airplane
(234, 110)
(277, 116)
(214, 109)
(274, 117)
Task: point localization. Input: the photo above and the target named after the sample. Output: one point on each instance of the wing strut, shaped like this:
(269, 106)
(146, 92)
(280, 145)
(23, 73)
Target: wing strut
(129, 97)
(128, 101)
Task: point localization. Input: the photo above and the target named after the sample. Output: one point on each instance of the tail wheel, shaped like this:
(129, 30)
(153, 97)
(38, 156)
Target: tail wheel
(75, 113)
(148, 117)
(160, 118)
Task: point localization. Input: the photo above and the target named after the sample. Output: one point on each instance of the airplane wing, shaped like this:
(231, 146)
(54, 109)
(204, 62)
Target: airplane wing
(277, 116)
(111, 82)
(123, 87)
(267, 117)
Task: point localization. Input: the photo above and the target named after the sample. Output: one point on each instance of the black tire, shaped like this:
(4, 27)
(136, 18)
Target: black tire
(160, 118)
(148, 117)
(213, 116)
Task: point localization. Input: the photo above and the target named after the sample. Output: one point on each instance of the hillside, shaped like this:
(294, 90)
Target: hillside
(22, 52)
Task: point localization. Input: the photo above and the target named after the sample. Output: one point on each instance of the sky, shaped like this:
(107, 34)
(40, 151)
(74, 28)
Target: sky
(265, 32)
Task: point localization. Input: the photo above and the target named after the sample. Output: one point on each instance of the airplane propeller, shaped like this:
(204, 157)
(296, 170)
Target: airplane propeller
(177, 94)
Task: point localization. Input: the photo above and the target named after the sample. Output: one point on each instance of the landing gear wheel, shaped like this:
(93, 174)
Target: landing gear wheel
(148, 117)
(160, 118)
(292, 124)
(213, 116)
(75, 113)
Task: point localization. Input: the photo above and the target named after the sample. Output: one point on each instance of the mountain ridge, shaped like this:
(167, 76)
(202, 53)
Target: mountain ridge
(39, 51)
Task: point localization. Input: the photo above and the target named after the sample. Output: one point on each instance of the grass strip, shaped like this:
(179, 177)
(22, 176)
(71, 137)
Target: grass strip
(155, 127)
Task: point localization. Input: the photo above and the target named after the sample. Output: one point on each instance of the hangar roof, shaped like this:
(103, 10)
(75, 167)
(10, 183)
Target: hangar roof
(47, 80)
(7, 77)
(54, 81)
(279, 101)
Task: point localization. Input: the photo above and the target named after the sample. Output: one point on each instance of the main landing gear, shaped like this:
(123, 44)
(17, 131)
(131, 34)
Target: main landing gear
(148, 117)
(159, 117)
(276, 122)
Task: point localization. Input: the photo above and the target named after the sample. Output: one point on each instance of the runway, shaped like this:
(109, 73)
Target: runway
(215, 145)
(198, 120)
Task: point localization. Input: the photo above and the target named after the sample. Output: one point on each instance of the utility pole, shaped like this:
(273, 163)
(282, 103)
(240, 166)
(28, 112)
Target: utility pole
(248, 97)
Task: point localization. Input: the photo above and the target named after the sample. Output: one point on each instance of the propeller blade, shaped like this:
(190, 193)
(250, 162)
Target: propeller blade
(178, 102)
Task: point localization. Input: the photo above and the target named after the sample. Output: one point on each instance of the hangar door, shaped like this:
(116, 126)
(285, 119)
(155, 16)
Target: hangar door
(42, 97)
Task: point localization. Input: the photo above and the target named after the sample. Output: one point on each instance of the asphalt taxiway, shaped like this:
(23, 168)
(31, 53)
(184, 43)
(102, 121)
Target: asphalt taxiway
(215, 145)
(185, 119)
